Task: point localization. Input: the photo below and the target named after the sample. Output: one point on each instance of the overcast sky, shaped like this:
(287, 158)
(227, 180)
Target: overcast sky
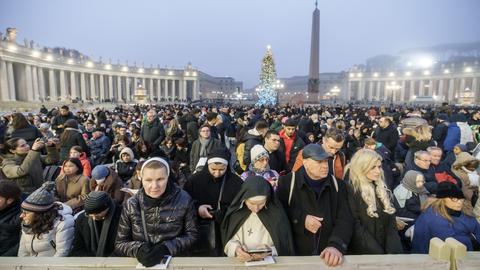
(229, 37)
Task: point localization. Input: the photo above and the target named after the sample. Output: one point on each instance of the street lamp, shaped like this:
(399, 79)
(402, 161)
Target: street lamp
(335, 91)
(392, 86)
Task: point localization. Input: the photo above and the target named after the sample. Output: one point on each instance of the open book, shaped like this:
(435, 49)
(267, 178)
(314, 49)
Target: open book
(265, 261)
(162, 265)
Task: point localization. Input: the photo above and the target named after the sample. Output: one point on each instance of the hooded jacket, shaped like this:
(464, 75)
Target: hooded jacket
(467, 188)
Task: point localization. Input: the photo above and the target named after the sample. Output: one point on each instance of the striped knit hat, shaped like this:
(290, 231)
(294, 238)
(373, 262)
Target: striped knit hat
(40, 200)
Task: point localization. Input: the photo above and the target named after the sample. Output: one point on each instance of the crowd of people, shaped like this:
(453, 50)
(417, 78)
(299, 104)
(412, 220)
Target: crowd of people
(147, 181)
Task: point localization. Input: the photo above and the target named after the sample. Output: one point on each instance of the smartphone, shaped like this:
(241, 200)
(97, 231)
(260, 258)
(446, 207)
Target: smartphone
(259, 250)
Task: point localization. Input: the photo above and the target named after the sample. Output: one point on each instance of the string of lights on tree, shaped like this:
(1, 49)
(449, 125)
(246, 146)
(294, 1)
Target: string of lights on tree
(267, 94)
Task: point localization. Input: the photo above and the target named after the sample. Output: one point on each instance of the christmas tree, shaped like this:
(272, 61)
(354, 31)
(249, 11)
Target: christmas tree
(267, 94)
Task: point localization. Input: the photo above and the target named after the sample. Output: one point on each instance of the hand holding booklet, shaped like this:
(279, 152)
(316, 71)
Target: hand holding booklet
(162, 265)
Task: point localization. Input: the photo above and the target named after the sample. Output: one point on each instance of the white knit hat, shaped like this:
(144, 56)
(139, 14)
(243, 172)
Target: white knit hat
(257, 152)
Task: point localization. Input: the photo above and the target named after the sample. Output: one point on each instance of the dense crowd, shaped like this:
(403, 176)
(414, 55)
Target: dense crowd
(147, 181)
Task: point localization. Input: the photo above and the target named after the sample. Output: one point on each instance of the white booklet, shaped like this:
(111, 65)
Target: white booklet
(162, 265)
(265, 261)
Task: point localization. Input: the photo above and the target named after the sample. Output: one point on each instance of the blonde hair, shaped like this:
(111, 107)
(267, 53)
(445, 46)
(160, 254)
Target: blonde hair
(439, 207)
(362, 162)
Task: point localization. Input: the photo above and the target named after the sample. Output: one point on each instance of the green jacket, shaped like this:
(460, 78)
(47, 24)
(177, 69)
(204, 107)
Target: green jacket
(27, 170)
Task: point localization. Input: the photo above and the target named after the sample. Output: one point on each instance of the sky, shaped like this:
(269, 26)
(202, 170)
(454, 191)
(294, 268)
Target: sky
(229, 37)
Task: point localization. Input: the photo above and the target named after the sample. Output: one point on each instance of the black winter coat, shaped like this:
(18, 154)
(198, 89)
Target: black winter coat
(60, 120)
(331, 205)
(74, 139)
(250, 141)
(29, 134)
(82, 242)
(10, 225)
(387, 136)
(172, 222)
(125, 170)
(372, 235)
(153, 133)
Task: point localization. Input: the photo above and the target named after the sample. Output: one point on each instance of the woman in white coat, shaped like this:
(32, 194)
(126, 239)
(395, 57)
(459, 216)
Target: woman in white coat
(47, 230)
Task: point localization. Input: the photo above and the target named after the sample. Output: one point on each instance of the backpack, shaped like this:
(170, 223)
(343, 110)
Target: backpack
(50, 173)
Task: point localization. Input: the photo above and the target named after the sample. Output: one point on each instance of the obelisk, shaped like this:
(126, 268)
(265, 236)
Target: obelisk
(313, 75)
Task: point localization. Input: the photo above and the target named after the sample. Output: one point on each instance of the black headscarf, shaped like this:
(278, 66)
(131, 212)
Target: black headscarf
(272, 215)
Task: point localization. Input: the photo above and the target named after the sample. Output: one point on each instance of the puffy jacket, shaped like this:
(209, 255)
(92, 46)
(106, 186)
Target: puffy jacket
(452, 138)
(153, 133)
(27, 170)
(173, 222)
(99, 148)
(55, 243)
(252, 138)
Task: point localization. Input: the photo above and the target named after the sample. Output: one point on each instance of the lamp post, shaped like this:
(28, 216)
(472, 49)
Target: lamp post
(335, 91)
(392, 86)
(278, 85)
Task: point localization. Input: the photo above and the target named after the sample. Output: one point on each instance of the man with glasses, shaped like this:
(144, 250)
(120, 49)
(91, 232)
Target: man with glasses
(96, 229)
(272, 145)
(423, 164)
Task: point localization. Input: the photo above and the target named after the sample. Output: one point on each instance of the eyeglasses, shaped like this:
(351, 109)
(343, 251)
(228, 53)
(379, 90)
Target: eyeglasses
(457, 199)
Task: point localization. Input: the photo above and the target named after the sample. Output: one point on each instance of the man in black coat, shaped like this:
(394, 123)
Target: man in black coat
(317, 207)
(95, 231)
(387, 134)
(276, 158)
(10, 222)
(439, 132)
(153, 131)
(59, 120)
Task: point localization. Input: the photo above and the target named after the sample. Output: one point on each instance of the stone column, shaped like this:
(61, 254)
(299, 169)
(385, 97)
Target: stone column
(361, 90)
(379, 85)
(402, 92)
(184, 91)
(110, 87)
(102, 87)
(53, 85)
(35, 83)
(159, 88)
(167, 90)
(4, 89)
(430, 88)
(174, 92)
(128, 96)
(421, 91)
(440, 90)
(63, 91)
(11, 82)
(83, 88)
(119, 88)
(451, 90)
(144, 84)
(73, 85)
(195, 90)
(462, 85)
(150, 90)
(28, 83)
(370, 90)
(93, 93)
(41, 84)
(475, 90)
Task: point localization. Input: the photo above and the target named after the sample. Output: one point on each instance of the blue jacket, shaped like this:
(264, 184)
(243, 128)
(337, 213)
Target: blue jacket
(100, 146)
(431, 224)
(452, 138)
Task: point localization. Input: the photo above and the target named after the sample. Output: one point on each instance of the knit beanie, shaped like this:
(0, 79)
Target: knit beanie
(96, 202)
(449, 190)
(40, 200)
(257, 152)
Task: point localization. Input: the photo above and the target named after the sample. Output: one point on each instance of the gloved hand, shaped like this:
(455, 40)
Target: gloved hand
(142, 254)
(152, 254)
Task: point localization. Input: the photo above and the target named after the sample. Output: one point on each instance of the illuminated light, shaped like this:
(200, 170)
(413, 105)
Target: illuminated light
(391, 74)
(351, 75)
(414, 97)
(359, 75)
(141, 70)
(409, 64)
(194, 73)
(426, 72)
(36, 54)
(187, 73)
(468, 69)
(408, 73)
(12, 47)
(124, 69)
(70, 61)
(89, 64)
(269, 47)
(375, 74)
(155, 71)
(49, 57)
(170, 73)
(446, 71)
(425, 62)
(108, 66)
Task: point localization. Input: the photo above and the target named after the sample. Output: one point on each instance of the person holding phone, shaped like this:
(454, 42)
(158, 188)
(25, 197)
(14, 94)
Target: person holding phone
(255, 225)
